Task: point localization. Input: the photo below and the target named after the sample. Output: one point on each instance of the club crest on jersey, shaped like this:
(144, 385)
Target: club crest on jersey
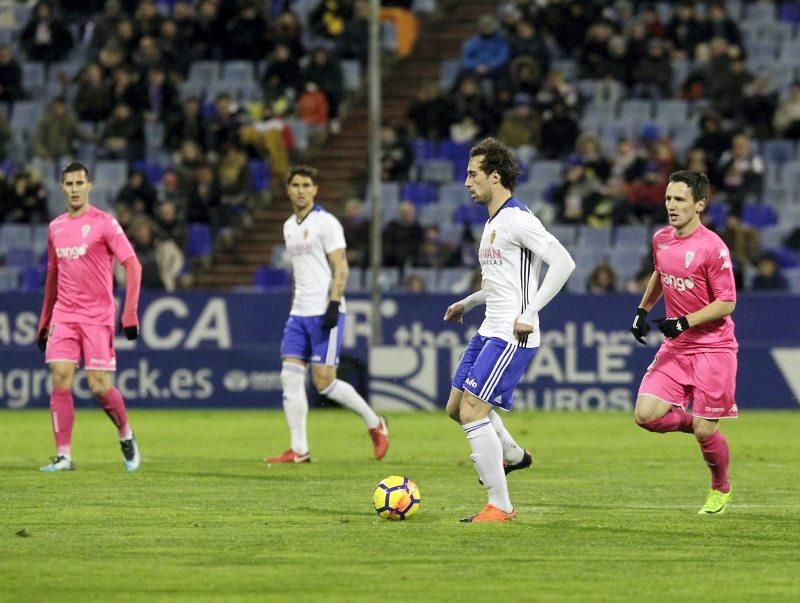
(492, 238)
(85, 230)
(688, 258)
(305, 234)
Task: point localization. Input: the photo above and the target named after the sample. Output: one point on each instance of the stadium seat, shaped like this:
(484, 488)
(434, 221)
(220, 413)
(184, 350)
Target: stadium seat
(451, 278)
(759, 215)
(453, 194)
(153, 170)
(430, 276)
(39, 239)
(279, 257)
(33, 74)
(32, 279)
(437, 171)
(110, 173)
(471, 214)
(565, 233)
(351, 74)
(204, 72)
(631, 237)
(598, 239)
(717, 213)
(388, 36)
(9, 278)
(545, 172)
(424, 150)
(238, 73)
(636, 110)
(778, 151)
(458, 154)
(154, 134)
(15, 235)
(20, 257)
(355, 280)
(760, 13)
(419, 193)
(793, 276)
(435, 214)
(200, 242)
(448, 74)
(260, 176)
(267, 277)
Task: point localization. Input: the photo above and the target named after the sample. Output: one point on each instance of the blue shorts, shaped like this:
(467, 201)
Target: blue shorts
(491, 368)
(304, 338)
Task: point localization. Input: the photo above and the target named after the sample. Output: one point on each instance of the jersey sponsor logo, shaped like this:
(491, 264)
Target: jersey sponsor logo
(488, 256)
(85, 230)
(299, 248)
(687, 259)
(677, 282)
(71, 253)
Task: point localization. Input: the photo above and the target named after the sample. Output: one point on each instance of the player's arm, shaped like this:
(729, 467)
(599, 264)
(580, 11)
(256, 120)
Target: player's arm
(559, 267)
(50, 294)
(457, 310)
(133, 286)
(339, 269)
(652, 294)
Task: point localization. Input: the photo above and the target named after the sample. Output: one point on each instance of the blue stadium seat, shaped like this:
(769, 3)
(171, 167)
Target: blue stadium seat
(545, 172)
(424, 150)
(271, 278)
(453, 194)
(717, 212)
(355, 280)
(760, 13)
(153, 170)
(39, 239)
(351, 74)
(20, 257)
(437, 171)
(260, 176)
(200, 242)
(793, 276)
(32, 279)
(15, 235)
(778, 151)
(471, 214)
(110, 173)
(419, 193)
(204, 72)
(239, 73)
(759, 215)
(448, 73)
(435, 214)
(631, 237)
(430, 276)
(450, 278)
(565, 233)
(9, 278)
(636, 109)
(598, 239)
(33, 74)
(458, 154)
(786, 258)
(388, 36)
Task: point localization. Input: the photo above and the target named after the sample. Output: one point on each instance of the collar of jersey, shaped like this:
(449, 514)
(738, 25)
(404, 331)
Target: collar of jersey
(313, 209)
(510, 202)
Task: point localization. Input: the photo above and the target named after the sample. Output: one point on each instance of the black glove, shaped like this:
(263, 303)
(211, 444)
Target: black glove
(331, 317)
(672, 327)
(131, 333)
(640, 327)
(41, 339)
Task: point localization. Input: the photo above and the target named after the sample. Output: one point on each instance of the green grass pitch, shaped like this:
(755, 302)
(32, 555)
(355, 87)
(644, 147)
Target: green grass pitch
(608, 512)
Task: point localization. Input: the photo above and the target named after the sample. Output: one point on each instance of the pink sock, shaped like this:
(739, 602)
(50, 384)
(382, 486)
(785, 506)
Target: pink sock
(676, 419)
(715, 452)
(114, 406)
(62, 412)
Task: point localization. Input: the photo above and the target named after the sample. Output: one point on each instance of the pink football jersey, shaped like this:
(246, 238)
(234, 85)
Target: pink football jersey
(83, 249)
(695, 271)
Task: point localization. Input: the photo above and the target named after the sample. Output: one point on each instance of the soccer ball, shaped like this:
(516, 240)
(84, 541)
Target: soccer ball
(396, 498)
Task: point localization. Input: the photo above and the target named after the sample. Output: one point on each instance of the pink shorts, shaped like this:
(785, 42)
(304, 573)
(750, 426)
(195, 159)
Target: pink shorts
(706, 380)
(71, 341)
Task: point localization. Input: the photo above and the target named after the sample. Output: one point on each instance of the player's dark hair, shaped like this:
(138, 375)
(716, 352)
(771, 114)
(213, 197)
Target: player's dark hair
(497, 157)
(697, 183)
(75, 166)
(302, 170)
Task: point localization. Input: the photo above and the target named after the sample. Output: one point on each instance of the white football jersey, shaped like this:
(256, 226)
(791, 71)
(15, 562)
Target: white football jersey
(510, 257)
(308, 243)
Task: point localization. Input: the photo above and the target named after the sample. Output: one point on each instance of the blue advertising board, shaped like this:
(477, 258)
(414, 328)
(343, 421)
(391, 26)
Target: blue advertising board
(223, 351)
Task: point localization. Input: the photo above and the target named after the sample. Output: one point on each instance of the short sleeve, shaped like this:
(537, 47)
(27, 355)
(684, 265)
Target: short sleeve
(117, 242)
(719, 271)
(332, 234)
(529, 232)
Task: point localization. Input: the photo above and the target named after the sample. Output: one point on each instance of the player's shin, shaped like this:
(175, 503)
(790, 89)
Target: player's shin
(114, 406)
(717, 457)
(295, 405)
(345, 394)
(62, 412)
(512, 453)
(487, 456)
(676, 419)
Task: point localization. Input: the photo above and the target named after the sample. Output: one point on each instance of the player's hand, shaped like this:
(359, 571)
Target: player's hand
(455, 312)
(131, 332)
(41, 339)
(640, 328)
(331, 317)
(521, 329)
(672, 327)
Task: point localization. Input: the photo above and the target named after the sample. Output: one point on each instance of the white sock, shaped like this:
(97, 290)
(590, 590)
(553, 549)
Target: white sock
(487, 455)
(346, 395)
(511, 452)
(295, 405)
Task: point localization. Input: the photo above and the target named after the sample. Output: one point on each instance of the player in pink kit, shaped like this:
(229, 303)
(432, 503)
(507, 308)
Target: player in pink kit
(696, 364)
(77, 319)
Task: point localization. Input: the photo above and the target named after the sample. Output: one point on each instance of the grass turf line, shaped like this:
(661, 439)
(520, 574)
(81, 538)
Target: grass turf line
(607, 512)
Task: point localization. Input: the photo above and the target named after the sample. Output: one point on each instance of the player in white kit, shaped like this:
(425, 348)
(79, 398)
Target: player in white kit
(313, 334)
(513, 246)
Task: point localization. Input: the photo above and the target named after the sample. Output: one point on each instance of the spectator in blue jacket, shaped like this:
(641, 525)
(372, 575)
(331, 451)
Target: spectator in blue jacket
(487, 53)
